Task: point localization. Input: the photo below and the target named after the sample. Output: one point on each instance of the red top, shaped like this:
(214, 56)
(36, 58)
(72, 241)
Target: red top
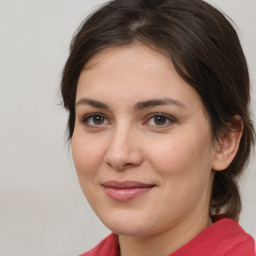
(223, 238)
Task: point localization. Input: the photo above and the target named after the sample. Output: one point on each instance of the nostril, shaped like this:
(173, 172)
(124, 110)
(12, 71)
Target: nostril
(123, 159)
(123, 148)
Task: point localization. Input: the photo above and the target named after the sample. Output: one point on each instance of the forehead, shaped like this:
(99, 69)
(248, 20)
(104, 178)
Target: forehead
(133, 71)
(116, 57)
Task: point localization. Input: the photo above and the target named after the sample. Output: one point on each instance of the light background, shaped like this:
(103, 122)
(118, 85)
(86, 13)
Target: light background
(42, 210)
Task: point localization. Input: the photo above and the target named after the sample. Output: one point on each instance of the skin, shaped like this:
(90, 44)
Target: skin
(124, 142)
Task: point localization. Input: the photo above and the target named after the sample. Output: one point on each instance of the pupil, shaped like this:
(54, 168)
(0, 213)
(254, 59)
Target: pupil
(160, 120)
(98, 120)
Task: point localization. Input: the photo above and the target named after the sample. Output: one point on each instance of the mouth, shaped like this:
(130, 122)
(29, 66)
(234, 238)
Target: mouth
(126, 190)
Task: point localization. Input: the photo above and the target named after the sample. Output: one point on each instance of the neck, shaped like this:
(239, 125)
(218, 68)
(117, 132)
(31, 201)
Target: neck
(165, 242)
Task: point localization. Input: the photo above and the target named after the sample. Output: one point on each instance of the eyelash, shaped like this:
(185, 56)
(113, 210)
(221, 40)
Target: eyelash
(86, 119)
(168, 119)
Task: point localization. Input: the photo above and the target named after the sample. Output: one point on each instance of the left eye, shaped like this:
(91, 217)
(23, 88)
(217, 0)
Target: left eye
(161, 120)
(95, 120)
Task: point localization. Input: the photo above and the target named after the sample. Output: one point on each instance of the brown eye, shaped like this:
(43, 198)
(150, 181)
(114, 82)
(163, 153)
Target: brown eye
(95, 120)
(98, 120)
(160, 120)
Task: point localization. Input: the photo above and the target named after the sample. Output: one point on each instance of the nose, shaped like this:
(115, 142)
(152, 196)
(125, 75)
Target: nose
(124, 150)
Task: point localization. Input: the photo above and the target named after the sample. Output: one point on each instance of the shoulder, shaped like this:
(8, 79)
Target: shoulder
(225, 237)
(107, 247)
(233, 239)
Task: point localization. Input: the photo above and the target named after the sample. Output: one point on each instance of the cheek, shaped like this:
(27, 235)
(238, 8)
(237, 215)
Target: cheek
(87, 158)
(184, 166)
(86, 155)
(180, 154)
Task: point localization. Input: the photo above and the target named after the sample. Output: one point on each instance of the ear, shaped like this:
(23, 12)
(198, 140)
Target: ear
(228, 144)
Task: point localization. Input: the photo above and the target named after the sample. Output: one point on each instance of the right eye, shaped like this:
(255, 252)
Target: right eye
(95, 120)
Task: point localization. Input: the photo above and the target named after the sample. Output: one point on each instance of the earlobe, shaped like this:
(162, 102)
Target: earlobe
(228, 145)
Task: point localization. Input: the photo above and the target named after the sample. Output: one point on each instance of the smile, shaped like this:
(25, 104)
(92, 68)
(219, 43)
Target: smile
(125, 191)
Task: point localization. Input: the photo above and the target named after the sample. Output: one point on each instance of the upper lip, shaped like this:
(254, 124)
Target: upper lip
(126, 184)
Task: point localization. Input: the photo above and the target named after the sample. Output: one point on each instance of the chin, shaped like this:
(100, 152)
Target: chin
(125, 225)
(127, 231)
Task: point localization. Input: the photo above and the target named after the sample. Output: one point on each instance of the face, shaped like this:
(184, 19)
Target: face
(142, 144)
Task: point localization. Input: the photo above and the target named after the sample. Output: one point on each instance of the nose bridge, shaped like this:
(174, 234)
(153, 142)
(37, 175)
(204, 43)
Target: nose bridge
(120, 137)
(123, 147)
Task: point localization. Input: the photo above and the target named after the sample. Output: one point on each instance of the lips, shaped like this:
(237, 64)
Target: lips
(125, 191)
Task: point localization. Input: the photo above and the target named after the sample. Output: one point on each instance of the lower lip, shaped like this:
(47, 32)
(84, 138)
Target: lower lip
(126, 194)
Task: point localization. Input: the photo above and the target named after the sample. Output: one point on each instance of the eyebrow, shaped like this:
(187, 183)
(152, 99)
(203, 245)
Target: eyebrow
(139, 106)
(158, 102)
(93, 103)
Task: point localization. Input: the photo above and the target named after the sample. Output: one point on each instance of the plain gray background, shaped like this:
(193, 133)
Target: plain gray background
(42, 210)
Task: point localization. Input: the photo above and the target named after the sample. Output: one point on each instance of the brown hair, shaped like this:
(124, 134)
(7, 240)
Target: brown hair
(205, 51)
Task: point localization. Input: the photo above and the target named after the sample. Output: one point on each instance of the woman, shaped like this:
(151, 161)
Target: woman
(158, 96)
